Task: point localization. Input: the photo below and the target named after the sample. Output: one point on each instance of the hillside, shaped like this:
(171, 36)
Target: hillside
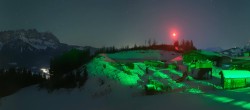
(130, 69)
(119, 84)
(31, 48)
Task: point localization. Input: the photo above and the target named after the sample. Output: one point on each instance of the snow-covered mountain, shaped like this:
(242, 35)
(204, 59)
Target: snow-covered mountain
(214, 49)
(30, 48)
(246, 47)
(233, 52)
(237, 51)
(28, 39)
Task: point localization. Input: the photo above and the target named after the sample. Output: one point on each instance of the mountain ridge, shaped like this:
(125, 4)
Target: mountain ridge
(31, 48)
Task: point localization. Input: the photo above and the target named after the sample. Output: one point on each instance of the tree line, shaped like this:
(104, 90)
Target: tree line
(69, 69)
(13, 79)
(183, 46)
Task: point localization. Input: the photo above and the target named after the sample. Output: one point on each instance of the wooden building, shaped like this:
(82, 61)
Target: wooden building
(202, 70)
(231, 79)
(246, 54)
(201, 55)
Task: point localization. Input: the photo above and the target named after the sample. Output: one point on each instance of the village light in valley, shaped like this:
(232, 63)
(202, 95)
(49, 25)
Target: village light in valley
(44, 70)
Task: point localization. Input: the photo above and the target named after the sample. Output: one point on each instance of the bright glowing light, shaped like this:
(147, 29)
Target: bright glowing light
(174, 34)
(44, 70)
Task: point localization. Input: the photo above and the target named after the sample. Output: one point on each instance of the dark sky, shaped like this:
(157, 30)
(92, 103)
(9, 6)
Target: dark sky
(209, 23)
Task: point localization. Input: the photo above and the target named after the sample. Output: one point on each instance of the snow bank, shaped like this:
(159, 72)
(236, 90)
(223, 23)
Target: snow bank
(99, 67)
(118, 99)
(105, 90)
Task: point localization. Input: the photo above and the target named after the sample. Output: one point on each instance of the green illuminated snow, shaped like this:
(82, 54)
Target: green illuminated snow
(134, 73)
(128, 76)
(236, 73)
(99, 67)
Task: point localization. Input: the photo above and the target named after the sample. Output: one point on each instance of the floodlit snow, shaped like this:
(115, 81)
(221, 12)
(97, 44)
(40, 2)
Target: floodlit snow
(114, 84)
(112, 67)
(94, 97)
(236, 73)
(100, 67)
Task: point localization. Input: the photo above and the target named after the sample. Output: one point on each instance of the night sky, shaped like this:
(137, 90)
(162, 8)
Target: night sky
(209, 23)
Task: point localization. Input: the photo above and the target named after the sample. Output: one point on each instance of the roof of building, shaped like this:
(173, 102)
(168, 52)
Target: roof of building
(236, 73)
(178, 58)
(209, 53)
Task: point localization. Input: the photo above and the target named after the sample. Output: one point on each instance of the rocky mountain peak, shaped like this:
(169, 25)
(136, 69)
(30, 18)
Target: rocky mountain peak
(37, 40)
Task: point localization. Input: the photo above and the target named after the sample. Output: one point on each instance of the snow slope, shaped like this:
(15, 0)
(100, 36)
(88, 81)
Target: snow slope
(133, 72)
(114, 85)
(32, 99)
